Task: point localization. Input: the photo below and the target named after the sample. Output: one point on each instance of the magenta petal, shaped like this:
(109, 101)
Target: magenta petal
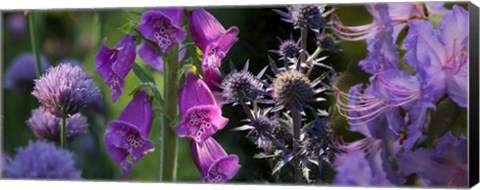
(206, 153)
(150, 56)
(162, 26)
(201, 122)
(222, 170)
(114, 64)
(138, 113)
(204, 28)
(123, 139)
(194, 92)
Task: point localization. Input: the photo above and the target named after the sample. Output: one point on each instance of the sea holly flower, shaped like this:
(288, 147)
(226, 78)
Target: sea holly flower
(444, 165)
(201, 116)
(161, 26)
(211, 37)
(305, 16)
(22, 71)
(242, 86)
(47, 126)
(41, 160)
(212, 161)
(398, 13)
(288, 48)
(65, 89)
(440, 57)
(128, 136)
(113, 64)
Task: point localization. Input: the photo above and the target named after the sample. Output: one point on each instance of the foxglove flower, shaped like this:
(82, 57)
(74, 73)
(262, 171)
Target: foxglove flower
(211, 37)
(22, 71)
(440, 57)
(47, 126)
(65, 89)
(201, 116)
(113, 64)
(161, 26)
(305, 16)
(128, 136)
(445, 165)
(212, 161)
(42, 160)
(398, 13)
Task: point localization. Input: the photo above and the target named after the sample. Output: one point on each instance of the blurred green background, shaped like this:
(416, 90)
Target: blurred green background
(77, 34)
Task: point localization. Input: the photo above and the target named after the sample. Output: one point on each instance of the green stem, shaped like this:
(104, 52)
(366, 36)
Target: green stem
(312, 57)
(303, 43)
(63, 131)
(34, 39)
(297, 125)
(169, 142)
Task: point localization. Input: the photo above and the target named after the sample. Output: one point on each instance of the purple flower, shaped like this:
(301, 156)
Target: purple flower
(440, 57)
(17, 25)
(353, 169)
(47, 126)
(382, 50)
(129, 134)
(212, 161)
(65, 89)
(114, 64)
(400, 14)
(201, 116)
(22, 71)
(211, 37)
(445, 165)
(305, 16)
(161, 26)
(41, 160)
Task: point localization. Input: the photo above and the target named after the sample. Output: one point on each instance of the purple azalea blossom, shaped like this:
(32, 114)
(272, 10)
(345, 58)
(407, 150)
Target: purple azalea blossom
(22, 71)
(212, 161)
(201, 116)
(161, 26)
(400, 14)
(113, 65)
(382, 50)
(41, 160)
(65, 89)
(367, 162)
(445, 165)
(129, 134)
(47, 126)
(378, 105)
(211, 37)
(440, 57)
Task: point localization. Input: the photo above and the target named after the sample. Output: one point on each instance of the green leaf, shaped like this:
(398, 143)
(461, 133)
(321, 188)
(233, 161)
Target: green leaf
(447, 117)
(262, 155)
(126, 27)
(435, 19)
(142, 74)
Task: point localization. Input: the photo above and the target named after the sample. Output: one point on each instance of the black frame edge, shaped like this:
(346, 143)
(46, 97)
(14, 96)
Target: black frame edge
(474, 95)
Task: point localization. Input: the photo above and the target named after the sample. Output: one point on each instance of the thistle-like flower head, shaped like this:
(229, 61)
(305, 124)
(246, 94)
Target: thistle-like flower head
(292, 89)
(242, 86)
(41, 160)
(288, 48)
(47, 126)
(326, 42)
(305, 16)
(65, 89)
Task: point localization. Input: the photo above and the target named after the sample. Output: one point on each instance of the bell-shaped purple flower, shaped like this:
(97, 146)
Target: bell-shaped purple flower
(201, 116)
(65, 89)
(445, 165)
(47, 126)
(20, 74)
(113, 64)
(163, 27)
(211, 37)
(42, 160)
(212, 161)
(128, 136)
(440, 57)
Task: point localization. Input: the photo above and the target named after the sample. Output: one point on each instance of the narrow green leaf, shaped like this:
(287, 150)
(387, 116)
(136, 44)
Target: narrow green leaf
(126, 27)
(142, 74)
(447, 117)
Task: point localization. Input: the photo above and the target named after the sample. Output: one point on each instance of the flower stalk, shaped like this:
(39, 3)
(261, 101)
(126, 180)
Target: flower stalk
(169, 142)
(63, 132)
(34, 39)
(297, 124)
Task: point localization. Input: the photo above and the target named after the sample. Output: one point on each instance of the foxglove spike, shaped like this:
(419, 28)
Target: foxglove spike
(194, 92)
(113, 64)
(128, 136)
